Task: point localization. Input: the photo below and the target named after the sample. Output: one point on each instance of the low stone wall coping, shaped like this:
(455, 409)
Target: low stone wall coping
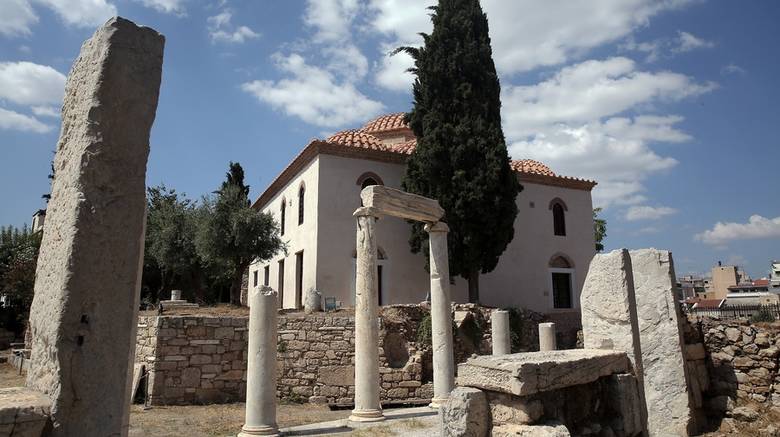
(23, 411)
(532, 372)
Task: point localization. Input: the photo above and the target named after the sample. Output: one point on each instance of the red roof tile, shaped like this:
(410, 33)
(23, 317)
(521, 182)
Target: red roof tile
(356, 138)
(761, 282)
(531, 166)
(387, 122)
(709, 303)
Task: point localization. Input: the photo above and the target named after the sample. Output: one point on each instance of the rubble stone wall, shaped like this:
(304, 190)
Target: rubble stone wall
(742, 360)
(194, 359)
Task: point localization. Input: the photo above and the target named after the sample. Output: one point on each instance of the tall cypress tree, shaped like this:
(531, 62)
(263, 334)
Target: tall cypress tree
(461, 157)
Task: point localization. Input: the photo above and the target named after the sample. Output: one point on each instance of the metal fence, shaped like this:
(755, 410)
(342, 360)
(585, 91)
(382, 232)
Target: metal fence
(735, 311)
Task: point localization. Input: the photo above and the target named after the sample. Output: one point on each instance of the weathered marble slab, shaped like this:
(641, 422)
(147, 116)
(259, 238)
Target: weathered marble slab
(663, 359)
(397, 203)
(84, 314)
(527, 373)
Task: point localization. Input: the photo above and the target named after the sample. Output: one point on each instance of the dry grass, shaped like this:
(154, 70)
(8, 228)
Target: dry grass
(10, 377)
(217, 420)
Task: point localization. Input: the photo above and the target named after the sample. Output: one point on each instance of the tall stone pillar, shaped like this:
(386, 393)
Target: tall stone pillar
(441, 314)
(367, 382)
(502, 341)
(87, 285)
(547, 339)
(261, 364)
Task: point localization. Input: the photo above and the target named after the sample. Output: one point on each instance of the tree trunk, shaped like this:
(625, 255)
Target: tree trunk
(235, 288)
(235, 284)
(474, 286)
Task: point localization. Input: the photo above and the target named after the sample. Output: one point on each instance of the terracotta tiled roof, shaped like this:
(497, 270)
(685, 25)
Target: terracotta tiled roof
(406, 147)
(761, 282)
(531, 166)
(365, 143)
(387, 122)
(356, 138)
(709, 303)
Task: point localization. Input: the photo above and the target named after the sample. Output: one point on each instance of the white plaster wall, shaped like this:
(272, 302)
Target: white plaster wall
(298, 237)
(405, 279)
(522, 277)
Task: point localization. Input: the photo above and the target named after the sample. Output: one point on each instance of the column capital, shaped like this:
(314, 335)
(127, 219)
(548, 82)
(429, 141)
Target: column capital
(366, 211)
(436, 227)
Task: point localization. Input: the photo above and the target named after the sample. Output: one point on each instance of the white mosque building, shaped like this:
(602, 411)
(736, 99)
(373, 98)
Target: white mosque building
(542, 269)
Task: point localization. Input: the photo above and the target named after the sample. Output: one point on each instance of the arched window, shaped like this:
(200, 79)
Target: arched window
(368, 182)
(301, 194)
(282, 213)
(562, 281)
(368, 179)
(559, 216)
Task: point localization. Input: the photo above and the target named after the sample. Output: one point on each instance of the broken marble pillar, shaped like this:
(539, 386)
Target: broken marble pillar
(660, 333)
(527, 373)
(465, 414)
(609, 312)
(261, 364)
(502, 340)
(441, 315)
(607, 302)
(547, 339)
(367, 380)
(84, 314)
(312, 301)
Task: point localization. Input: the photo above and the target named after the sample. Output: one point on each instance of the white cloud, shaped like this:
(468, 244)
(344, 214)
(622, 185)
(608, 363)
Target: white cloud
(10, 120)
(757, 227)
(687, 42)
(166, 6)
(588, 91)
(81, 13)
(572, 122)
(313, 94)
(331, 19)
(17, 17)
(26, 83)
(645, 212)
(46, 111)
(553, 33)
(392, 71)
(222, 30)
(732, 69)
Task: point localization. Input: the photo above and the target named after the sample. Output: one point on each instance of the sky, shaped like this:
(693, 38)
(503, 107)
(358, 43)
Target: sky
(672, 106)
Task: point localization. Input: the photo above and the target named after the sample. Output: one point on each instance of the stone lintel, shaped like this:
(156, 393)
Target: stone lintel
(437, 227)
(398, 203)
(366, 211)
(527, 373)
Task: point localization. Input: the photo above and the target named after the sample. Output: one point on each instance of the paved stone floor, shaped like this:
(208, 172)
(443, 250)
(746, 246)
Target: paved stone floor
(407, 422)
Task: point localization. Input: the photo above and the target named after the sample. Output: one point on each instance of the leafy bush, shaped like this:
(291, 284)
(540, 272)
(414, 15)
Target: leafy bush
(763, 315)
(515, 328)
(425, 331)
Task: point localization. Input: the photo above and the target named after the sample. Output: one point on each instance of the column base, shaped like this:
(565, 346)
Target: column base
(372, 415)
(437, 402)
(264, 430)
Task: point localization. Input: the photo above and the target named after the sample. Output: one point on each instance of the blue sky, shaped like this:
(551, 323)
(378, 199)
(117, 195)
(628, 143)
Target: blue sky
(671, 105)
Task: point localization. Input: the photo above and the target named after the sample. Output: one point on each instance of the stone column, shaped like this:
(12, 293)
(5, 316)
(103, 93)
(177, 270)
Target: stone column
(261, 364)
(502, 340)
(367, 405)
(87, 285)
(547, 340)
(175, 294)
(441, 315)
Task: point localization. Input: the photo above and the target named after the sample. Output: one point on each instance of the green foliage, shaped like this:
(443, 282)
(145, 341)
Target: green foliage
(18, 259)
(461, 157)
(600, 229)
(764, 315)
(515, 329)
(170, 246)
(425, 331)
(281, 347)
(231, 234)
